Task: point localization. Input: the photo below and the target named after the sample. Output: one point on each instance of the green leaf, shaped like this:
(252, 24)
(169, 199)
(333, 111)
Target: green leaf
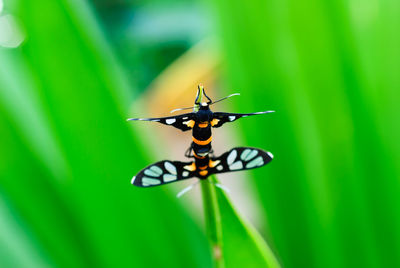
(67, 154)
(234, 242)
(330, 71)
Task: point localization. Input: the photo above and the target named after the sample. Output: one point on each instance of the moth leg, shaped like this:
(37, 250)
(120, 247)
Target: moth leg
(187, 189)
(188, 152)
(212, 152)
(222, 187)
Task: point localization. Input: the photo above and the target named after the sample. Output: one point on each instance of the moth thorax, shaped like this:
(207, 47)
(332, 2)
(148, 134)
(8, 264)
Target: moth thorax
(204, 115)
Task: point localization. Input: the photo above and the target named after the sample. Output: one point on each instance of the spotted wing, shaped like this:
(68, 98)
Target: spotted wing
(179, 121)
(222, 118)
(240, 158)
(161, 173)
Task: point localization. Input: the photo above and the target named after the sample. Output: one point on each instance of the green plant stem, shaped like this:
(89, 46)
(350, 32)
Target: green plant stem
(213, 219)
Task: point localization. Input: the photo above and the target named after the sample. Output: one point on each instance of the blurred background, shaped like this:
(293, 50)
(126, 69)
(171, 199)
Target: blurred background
(72, 71)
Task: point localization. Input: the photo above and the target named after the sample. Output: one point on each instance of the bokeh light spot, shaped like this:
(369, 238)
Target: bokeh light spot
(10, 32)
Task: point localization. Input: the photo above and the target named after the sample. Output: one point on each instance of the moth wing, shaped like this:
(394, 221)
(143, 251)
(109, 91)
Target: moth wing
(230, 117)
(161, 173)
(177, 121)
(240, 158)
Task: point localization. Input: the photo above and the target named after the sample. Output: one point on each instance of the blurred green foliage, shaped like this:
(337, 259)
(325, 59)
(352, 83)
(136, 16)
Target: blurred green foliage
(149, 35)
(67, 155)
(329, 69)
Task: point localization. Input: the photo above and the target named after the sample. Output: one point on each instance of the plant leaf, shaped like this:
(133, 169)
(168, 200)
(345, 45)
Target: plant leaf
(234, 241)
(67, 153)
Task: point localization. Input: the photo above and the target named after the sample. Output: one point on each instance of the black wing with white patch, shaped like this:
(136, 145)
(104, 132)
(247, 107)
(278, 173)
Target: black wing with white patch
(181, 122)
(230, 117)
(240, 158)
(161, 173)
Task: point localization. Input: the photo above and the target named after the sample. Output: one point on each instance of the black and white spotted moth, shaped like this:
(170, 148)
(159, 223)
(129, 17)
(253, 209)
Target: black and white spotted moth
(200, 121)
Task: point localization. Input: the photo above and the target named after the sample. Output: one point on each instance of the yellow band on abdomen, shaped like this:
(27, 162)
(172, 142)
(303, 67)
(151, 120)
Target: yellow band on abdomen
(201, 142)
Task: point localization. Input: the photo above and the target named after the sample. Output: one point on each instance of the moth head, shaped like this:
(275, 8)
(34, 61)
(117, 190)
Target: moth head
(201, 93)
(200, 103)
(203, 106)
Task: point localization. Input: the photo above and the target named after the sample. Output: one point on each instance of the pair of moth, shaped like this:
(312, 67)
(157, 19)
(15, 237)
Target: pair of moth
(204, 164)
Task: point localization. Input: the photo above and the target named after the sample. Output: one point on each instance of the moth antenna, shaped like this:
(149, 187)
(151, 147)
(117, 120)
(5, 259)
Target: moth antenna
(200, 93)
(234, 94)
(187, 189)
(180, 109)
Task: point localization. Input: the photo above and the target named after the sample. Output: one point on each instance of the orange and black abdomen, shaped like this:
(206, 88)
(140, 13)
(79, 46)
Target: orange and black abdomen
(202, 166)
(201, 137)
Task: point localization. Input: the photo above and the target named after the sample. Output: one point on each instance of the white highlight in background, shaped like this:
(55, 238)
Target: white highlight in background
(1, 5)
(10, 31)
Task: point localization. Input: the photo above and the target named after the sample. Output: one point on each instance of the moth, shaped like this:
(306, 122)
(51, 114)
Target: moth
(236, 159)
(200, 121)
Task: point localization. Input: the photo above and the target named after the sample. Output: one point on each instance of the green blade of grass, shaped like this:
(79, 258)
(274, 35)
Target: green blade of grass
(67, 154)
(18, 247)
(328, 69)
(234, 242)
(212, 216)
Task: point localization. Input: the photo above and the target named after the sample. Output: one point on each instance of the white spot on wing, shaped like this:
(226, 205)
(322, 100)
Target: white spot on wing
(270, 154)
(256, 162)
(169, 177)
(157, 170)
(170, 121)
(150, 172)
(237, 165)
(133, 179)
(155, 120)
(185, 174)
(220, 167)
(231, 157)
(149, 181)
(184, 118)
(232, 117)
(251, 155)
(245, 154)
(170, 167)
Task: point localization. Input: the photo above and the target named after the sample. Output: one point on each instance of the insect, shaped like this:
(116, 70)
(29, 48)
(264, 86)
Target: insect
(240, 158)
(201, 120)
(204, 164)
